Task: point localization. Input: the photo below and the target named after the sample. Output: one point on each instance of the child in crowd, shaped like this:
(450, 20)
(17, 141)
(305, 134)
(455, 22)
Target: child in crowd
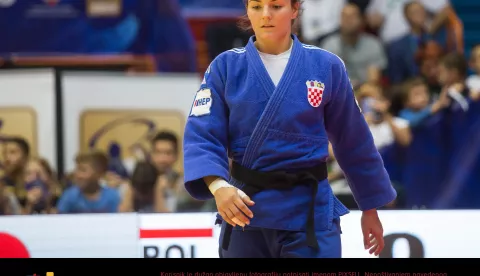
(88, 195)
(416, 101)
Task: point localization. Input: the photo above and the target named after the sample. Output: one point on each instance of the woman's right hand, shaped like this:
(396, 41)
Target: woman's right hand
(232, 206)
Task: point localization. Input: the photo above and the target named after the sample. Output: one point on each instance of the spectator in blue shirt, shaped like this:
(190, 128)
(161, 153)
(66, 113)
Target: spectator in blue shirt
(87, 195)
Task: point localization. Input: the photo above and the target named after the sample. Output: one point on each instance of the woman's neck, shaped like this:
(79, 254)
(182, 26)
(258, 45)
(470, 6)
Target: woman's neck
(274, 47)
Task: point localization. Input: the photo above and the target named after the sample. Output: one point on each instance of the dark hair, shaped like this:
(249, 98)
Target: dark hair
(396, 99)
(143, 178)
(166, 136)
(244, 22)
(97, 159)
(21, 143)
(455, 61)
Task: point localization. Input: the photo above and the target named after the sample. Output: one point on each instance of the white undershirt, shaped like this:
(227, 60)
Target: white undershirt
(276, 64)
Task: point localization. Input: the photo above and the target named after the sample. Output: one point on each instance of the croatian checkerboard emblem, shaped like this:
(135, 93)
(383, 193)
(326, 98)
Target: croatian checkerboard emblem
(315, 92)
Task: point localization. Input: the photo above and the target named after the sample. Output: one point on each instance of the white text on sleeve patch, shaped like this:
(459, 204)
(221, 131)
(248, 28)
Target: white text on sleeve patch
(202, 103)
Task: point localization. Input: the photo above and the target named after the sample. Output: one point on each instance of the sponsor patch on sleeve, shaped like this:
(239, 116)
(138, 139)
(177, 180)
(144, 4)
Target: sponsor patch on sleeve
(202, 103)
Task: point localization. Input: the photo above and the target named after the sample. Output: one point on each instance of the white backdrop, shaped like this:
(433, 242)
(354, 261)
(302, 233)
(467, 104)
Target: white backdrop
(34, 90)
(83, 91)
(75, 236)
(422, 234)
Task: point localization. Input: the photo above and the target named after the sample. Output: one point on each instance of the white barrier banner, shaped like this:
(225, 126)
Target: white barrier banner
(418, 234)
(408, 234)
(69, 236)
(179, 236)
(27, 109)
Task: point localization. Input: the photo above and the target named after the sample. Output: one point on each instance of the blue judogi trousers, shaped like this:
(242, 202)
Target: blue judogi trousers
(253, 242)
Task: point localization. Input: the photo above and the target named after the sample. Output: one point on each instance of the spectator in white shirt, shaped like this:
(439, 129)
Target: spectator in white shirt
(388, 18)
(320, 18)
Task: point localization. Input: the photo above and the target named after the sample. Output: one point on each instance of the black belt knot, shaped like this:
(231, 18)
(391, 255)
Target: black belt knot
(256, 181)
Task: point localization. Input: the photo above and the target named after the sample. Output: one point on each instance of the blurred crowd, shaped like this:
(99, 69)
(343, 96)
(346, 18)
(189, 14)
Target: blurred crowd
(405, 63)
(98, 183)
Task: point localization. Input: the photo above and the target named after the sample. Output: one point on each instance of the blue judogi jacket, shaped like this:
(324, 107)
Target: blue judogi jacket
(239, 111)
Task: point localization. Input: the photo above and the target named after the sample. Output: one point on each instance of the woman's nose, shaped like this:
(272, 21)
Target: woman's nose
(266, 13)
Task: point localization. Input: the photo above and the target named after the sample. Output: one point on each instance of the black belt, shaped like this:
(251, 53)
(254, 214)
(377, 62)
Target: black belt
(256, 181)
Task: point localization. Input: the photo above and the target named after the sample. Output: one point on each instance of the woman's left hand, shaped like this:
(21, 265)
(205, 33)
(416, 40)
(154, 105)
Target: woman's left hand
(372, 232)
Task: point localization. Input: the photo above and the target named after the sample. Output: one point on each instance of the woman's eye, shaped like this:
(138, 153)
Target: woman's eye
(256, 7)
(277, 7)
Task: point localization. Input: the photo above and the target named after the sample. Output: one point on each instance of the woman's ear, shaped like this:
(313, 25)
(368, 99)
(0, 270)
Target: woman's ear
(296, 9)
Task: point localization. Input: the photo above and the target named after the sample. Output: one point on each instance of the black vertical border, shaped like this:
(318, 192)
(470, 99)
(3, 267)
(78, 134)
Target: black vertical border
(58, 75)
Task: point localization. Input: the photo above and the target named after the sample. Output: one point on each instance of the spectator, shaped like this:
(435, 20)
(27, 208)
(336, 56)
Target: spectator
(87, 195)
(452, 74)
(416, 101)
(385, 127)
(155, 185)
(8, 202)
(320, 19)
(164, 155)
(402, 53)
(388, 18)
(147, 192)
(16, 152)
(428, 57)
(473, 81)
(363, 54)
(42, 187)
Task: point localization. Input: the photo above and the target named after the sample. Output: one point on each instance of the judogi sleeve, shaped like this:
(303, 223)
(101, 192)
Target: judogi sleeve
(206, 132)
(353, 145)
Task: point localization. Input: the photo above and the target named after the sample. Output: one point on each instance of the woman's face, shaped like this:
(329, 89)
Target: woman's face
(271, 19)
(35, 171)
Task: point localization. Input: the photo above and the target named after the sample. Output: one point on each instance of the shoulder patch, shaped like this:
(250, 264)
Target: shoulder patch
(202, 103)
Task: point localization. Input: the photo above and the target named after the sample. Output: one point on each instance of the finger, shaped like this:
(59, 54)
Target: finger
(242, 219)
(378, 250)
(373, 249)
(373, 242)
(245, 198)
(380, 242)
(366, 240)
(238, 222)
(241, 205)
(227, 219)
(229, 213)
